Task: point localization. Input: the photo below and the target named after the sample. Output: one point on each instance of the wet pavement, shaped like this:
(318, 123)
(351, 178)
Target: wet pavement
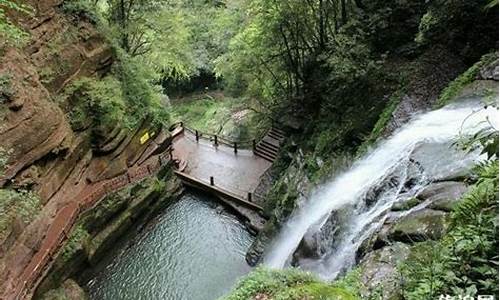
(238, 173)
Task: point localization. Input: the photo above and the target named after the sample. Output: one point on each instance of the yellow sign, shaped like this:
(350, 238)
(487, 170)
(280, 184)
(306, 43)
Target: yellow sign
(144, 138)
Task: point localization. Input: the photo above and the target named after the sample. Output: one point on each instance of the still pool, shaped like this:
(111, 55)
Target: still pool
(191, 251)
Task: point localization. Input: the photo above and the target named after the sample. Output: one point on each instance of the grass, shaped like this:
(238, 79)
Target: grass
(225, 116)
(287, 284)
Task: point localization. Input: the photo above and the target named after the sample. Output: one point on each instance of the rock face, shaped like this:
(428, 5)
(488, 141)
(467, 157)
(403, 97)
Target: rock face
(293, 187)
(489, 72)
(419, 226)
(45, 154)
(434, 70)
(443, 195)
(120, 212)
(69, 290)
(380, 275)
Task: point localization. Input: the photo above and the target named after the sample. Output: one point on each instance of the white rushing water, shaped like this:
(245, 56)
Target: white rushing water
(349, 188)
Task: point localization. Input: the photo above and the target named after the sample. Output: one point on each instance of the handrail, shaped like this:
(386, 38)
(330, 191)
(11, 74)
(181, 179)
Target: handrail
(220, 139)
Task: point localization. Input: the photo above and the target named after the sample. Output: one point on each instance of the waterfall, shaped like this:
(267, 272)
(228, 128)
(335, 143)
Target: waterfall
(351, 188)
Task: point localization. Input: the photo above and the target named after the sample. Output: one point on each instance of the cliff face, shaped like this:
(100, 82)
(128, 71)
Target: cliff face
(45, 154)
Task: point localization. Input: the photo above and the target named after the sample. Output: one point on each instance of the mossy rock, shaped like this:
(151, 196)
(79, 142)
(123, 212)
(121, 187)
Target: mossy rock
(315, 291)
(69, 290)
(289, 284)
(380, 277)
(422, 225)
(406, 205)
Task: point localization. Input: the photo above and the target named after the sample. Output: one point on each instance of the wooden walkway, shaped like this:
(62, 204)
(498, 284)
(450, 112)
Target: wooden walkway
(224, 168)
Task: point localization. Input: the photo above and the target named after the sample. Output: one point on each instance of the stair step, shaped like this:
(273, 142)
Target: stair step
(271, 141)
(270, 152)
(270, 145)
(264, 156)
(275, 136)
(278, 131)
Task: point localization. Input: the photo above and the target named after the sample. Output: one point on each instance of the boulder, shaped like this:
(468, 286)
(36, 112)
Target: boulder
(443, 195)
(69, 290)
(380, 277)
(419, 226)
(406, 204)
(443, 161)
(489, 72)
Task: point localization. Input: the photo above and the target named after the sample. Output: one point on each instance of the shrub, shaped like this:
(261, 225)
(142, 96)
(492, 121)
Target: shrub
(10, 33)
(287, 284)
(20, 205)
(464, 262)
(99, 101)
(78, 236)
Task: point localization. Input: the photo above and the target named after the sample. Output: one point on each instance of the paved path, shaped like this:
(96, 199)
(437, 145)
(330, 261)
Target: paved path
(238, 173)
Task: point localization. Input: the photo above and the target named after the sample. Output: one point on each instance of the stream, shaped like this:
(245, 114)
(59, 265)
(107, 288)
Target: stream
(340, 214)
(191, 251)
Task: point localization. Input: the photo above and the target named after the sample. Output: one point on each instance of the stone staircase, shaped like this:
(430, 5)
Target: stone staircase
(268, 147)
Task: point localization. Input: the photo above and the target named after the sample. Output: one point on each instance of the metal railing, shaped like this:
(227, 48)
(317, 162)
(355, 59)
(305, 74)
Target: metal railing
(217, 139)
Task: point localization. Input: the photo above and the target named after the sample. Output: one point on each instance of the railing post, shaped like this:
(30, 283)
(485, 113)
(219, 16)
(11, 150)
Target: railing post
(235, 147)
(212, 181)
(197, 135)
(216, 142)
(254, 145)
(249, 197)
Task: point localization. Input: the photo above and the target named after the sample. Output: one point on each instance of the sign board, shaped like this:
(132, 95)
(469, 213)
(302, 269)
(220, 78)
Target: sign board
(144, 138)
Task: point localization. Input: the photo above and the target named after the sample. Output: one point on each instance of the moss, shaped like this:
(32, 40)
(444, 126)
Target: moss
(453, 90)
(382, 122)
(79, 236)
(287, 284)
(406, 205)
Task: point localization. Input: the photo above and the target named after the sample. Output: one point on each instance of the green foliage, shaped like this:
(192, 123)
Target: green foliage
(83, 9)
(100, 101)
(21, 205)
(464, 262)
(456, 86)
(221, 115)
(78, 237)
(286, 285)
(10, 33)
(473, 28)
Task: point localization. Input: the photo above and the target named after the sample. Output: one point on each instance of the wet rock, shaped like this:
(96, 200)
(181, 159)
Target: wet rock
(380, 277)
(419, 226)
(406, 204)
(292, 188)
(442, 161)
(317, 240)
(489, 72)
(443, 195)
